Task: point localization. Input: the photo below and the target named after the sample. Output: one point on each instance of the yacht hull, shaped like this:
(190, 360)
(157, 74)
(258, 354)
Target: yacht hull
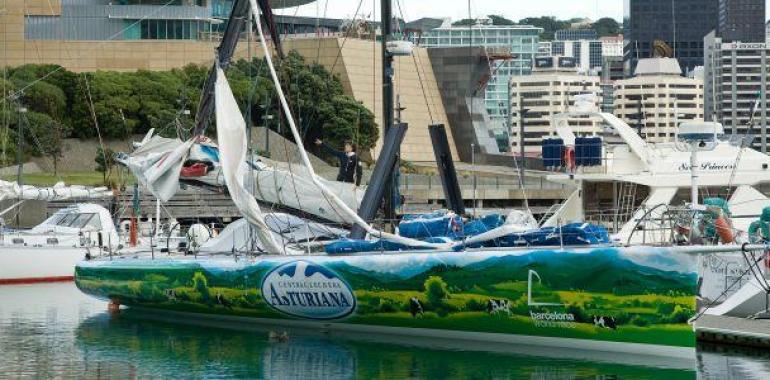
(24, 265)
(623, 300)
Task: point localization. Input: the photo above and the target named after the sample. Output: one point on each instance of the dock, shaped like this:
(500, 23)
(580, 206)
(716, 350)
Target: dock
(734, 331)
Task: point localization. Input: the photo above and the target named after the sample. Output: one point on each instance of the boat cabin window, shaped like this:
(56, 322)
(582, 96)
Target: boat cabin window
(76, 220)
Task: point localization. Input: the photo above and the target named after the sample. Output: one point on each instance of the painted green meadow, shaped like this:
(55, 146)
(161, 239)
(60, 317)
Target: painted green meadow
(646, 305)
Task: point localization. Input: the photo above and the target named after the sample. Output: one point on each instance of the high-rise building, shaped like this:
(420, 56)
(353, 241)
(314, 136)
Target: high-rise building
(767, 32)
(661, 96)
(735, 74)
(587, 53)
(549, 91)
(518, 44)
(742, 20)
(681, 24)
(576, 34)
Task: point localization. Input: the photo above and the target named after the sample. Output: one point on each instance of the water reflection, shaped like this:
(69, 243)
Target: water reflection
(52, 331)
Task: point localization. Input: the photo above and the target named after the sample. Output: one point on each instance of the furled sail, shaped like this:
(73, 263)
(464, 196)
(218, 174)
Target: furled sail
(231, 135)
(58, 192)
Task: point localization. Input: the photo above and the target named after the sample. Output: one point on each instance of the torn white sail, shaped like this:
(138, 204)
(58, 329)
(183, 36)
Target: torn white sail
(231, 135)
(58, 192)
(271, 184)
(157, 163)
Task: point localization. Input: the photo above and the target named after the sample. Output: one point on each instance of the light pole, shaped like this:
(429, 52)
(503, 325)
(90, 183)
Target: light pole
(19, 163)
(267, 119)
(522, 113)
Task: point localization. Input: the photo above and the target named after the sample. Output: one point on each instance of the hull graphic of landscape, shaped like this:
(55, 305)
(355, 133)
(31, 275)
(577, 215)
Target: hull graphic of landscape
(640, 297)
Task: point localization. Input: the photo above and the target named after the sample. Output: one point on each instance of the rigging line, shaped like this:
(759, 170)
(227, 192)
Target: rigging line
(318, 28)
(306, 160)
(724, 293)
(347, 34)
(422, 86)
(110, 38)
(96, 122)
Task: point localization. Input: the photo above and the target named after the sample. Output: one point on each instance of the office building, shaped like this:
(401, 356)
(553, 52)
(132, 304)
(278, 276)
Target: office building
(612, 69)
(576, 34)
(767, 32)
(734, 75)
(742, 20)
(544, 49)
(587, 53)
(661, 96)
(681, 24)
(548, 91)
(511, 49)
(612, 46)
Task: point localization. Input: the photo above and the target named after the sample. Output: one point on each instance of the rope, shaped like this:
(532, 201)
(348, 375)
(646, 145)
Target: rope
(344, 40)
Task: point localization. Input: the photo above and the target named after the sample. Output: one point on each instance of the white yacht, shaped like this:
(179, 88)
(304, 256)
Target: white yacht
(49, 251)
(642, 190)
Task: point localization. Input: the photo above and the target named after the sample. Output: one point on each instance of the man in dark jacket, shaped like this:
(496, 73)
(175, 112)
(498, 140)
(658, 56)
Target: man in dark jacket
(350, 166)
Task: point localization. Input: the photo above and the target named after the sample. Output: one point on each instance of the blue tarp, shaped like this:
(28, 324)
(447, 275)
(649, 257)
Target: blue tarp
(576, 234)
(358, 246)
(435, 224)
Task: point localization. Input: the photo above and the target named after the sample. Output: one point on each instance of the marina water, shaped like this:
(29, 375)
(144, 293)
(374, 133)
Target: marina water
(54, 331)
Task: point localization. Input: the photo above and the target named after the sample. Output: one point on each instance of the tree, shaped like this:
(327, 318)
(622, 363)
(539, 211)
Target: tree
(124, 103)
(549, 24)
(607, 26)
(464, 22)
(436, 290)
(500, 20)
(105, 160)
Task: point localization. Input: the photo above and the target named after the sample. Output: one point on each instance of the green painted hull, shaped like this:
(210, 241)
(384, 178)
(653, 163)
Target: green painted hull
(635, 297)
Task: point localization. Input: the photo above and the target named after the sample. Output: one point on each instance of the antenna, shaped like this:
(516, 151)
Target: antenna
(673, 23)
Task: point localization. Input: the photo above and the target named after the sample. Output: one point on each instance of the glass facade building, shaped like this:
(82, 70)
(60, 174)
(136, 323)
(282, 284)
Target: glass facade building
(681, 24)
(120, 20)
(521, 41)
(742, 20)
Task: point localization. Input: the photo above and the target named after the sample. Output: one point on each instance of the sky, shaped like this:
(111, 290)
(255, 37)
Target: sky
(458, 9)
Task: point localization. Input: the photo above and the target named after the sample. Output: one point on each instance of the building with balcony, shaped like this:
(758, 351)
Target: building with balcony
(658, 98)
(548, 91)
(736, 83)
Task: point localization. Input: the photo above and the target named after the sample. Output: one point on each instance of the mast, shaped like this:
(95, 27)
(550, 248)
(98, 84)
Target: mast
(387, 100)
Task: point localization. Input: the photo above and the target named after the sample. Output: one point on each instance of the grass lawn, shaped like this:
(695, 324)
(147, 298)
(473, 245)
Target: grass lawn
(90, 178)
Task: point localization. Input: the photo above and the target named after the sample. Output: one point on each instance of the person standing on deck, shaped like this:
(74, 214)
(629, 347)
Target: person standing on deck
(350, 165)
